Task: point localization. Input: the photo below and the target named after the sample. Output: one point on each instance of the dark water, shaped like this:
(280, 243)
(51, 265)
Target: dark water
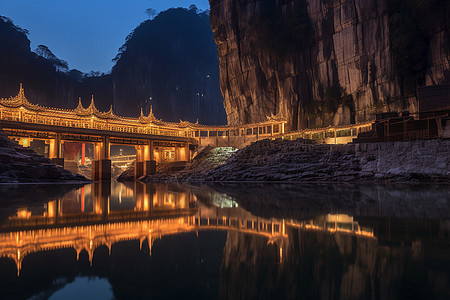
(238, 241)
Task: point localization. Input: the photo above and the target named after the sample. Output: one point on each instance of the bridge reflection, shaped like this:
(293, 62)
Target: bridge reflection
(107, 213)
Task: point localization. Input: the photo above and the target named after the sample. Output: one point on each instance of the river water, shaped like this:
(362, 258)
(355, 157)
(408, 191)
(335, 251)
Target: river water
(234, 241)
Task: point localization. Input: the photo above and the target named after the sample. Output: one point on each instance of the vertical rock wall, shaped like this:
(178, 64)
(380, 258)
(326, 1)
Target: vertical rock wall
(333, 66)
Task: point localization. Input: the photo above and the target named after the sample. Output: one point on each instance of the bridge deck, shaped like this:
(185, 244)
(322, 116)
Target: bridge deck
(83, 134)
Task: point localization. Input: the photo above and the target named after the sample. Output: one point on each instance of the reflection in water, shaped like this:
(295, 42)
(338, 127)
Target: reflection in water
(113, 231)
(85, 288)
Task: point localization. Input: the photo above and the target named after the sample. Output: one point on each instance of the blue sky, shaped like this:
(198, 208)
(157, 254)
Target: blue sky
(85, 33)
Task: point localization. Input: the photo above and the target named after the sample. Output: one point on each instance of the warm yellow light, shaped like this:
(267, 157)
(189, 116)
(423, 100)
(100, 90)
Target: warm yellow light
(25, 142)
(183, 153)
(23, 214)
(182, 201)
(51, 208)
(146, 202)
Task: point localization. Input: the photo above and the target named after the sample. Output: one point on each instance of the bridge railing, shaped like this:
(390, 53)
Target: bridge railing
(91, 123)
(331, 134)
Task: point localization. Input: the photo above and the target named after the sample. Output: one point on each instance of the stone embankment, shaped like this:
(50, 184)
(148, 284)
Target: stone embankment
(300, 160)
(304, 161)
(206, 160)
(22, 165)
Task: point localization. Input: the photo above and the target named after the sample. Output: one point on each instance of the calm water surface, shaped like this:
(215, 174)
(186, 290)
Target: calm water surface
(235, 241)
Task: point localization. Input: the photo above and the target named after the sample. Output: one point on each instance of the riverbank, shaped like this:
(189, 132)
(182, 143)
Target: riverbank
(23, 165)
(208, 159)
(303, 161)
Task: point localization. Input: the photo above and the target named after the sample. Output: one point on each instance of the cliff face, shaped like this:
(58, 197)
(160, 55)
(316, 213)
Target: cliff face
(322, 62)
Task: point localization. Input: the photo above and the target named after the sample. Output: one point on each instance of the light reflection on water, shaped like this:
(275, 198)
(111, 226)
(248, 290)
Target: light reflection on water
(230, 241)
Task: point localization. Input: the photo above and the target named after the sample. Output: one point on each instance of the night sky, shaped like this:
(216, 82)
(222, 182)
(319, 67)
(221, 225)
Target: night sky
(85, 33)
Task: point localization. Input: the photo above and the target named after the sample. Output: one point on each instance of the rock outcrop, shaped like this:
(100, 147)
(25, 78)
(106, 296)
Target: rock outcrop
(209, 158)
(19, 164)
(321, 62)
(300, 160)
(128, 174)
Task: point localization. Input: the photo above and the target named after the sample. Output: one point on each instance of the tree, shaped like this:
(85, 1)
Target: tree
(10, 24)
(60, 65)
(76, 74)
(151, 13)
(43, 51)
(94, 73)
(193, 8)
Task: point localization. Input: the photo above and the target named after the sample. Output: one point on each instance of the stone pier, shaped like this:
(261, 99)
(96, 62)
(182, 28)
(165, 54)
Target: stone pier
(101, 166)
(145, 160)
(55, 153)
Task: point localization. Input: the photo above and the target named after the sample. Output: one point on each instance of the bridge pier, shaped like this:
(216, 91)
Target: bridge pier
(183, 153)
(55, 150)
(71, 154)
(101, 166)
(145, 160)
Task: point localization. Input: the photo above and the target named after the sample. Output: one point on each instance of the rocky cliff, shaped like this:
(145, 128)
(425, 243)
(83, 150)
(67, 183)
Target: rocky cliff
(322, 62)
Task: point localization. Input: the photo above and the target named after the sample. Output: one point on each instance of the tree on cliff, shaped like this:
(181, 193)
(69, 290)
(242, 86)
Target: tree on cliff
(61, 65)
(151, 13)
(42, 77)
(193, 8)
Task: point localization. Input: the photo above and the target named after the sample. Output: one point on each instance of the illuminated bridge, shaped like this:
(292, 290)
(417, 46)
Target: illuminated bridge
(155, 140)
(86, 220)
